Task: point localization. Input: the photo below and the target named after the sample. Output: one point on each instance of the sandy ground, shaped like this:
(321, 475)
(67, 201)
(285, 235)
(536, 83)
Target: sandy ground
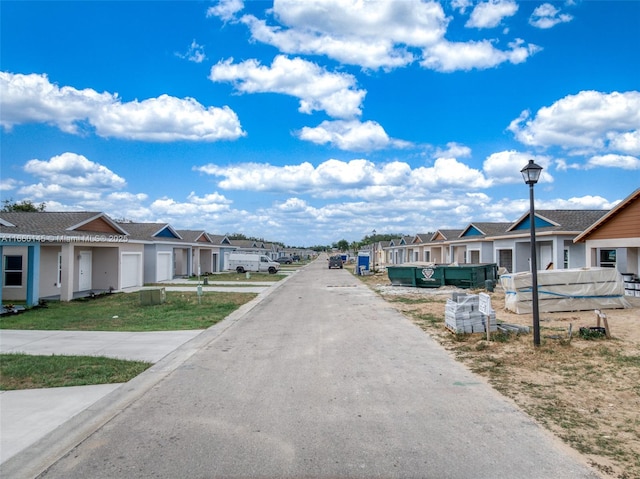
(585, 391)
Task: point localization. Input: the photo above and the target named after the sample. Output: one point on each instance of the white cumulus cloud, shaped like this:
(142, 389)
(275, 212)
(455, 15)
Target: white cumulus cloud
(589, 120)
(351, 135)
(74, 171)
(358, 178)
(490, 14)
(378, 34)
(504, 167)
(226, 9)
(624, 162)
(34, 99)
(547, 16)
(448, 56)
(195, 53)
(316, 88)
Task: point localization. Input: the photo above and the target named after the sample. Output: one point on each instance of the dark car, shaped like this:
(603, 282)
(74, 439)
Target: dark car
(284, 260)
(335, 262)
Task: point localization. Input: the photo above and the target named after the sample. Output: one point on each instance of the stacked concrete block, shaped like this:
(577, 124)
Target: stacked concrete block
(462, 315)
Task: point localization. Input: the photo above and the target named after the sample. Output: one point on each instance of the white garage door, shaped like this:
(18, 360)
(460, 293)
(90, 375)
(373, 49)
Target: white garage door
(131, 270)
(164, 266)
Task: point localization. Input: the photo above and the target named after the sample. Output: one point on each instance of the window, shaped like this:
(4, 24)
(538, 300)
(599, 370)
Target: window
(566, 259)
(13, 270)
(505, 259)
(608, 258)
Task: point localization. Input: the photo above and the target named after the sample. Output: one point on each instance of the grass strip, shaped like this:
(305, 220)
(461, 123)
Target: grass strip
(23, 371)
(123, 312)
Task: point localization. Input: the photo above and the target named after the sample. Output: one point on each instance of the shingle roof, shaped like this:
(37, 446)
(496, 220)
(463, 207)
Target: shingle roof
(570, 221)
(146, 231)
(194, 236)
(218, 239)
(489, 229)
(54, 223)
(448, 234)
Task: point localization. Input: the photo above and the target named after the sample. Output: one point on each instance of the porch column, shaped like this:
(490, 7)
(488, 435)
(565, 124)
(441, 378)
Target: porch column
(33, 274)
(68, 260)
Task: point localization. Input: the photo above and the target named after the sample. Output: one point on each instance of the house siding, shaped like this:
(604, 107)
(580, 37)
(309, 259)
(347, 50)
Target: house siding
(98, 225)
(49, 271)
(625, 225)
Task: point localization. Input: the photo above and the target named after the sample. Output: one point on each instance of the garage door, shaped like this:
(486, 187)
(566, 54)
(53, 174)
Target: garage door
(164, 267)
(131, 270)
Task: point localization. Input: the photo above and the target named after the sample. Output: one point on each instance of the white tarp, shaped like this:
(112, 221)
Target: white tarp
(565, 290)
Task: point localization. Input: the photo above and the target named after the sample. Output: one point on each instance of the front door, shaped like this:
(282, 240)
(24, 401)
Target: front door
(84, 273)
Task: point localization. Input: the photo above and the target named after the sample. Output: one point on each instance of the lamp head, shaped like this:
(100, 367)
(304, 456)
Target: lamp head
(531, 173)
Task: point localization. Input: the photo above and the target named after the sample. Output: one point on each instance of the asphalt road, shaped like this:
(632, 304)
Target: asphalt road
(322, 379)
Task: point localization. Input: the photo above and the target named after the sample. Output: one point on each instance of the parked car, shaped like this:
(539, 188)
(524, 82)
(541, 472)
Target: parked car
(284, 260)
(335, 262)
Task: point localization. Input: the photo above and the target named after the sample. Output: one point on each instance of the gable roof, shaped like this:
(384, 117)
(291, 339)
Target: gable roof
(59, 224)
(484, 229)
(152, 231)
(422, 238)
(247, 243)
(219, 239)
(444, 235)
(613, 214)
(195, 236)
(569, 221)
(395, 242)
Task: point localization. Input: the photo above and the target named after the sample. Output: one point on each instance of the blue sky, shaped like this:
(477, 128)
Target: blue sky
(308, 122)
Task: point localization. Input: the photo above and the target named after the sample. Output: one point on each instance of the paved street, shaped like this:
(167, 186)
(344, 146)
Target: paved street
(321, 379)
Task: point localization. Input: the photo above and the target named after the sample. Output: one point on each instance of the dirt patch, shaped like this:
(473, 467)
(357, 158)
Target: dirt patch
(584, 390)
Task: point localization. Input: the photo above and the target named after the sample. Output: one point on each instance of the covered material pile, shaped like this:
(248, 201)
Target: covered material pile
(462, 315)
(565, 290)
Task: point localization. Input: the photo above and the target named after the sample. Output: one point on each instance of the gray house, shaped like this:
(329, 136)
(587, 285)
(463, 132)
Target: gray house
(555, 232)
(65, 255)
(166, 254)
(475, 244)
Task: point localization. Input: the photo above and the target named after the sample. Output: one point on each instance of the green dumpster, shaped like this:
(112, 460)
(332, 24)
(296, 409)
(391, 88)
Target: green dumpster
(436, 275)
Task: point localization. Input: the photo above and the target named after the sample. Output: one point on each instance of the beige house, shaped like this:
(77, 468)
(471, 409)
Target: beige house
(64, 255)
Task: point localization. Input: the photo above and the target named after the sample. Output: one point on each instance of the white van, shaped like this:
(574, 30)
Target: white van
(241, 262)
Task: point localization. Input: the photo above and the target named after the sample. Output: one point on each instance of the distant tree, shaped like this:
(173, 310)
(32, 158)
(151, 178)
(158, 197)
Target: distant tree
(380, 237)
(10, 206)
(342, 245)
(236, 236)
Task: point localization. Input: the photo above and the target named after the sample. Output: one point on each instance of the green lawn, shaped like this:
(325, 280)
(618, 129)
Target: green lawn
(22, 371)
(110, 312)
(123, 312)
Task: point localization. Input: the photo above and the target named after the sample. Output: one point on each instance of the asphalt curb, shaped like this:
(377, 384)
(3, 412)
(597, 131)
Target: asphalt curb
(37, 458)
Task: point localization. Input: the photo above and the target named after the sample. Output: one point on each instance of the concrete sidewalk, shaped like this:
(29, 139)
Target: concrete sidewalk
(28, 415)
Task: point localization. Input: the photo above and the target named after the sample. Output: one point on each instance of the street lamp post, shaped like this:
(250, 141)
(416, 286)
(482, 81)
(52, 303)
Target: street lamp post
(373, 267)
(531, 174)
